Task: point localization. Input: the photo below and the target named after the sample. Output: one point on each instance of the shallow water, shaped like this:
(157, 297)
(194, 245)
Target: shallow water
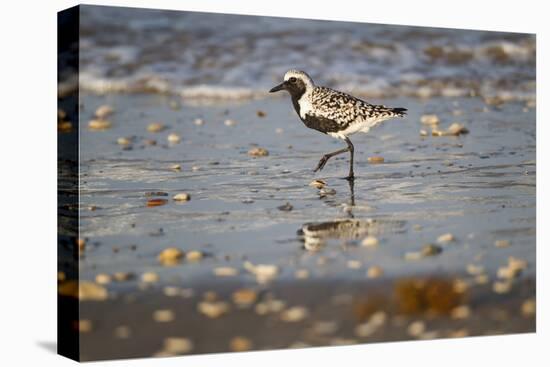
(480, 187)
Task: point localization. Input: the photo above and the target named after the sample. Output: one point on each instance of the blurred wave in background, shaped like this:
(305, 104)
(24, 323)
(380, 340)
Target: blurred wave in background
(200, 55)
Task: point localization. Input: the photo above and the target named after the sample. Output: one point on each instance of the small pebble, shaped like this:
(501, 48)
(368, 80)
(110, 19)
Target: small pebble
(354, 264)
(301, 274)
(149, 277)
(171, 291)
(460, 285)
(415, 255)
(482, 279)
(175, 346)
(84, 326)
(369, 241)
(269, 306)
(431, 250)
(502, 287)
(64, 126)
(416, 329)
(263, 272)
(121, 276)
(516, 263)
(325, 327)
(182, 196)
(260, 113)
(460, 312)
(318, 184)
(513, 269)
(156, 202)
(502, 243)
(84, 290)
(342, 341)
(122, 332)
(155, 127)
(61, 114)
(244, 297)
(88, 291)
(423, 132)
(427, 335)
(213, 310)
(374, 272)
(124, 141)
(175, 167)
(279, 130)
(163, 315)
(365, 330)
(198, 122)
(528, 307)
(454, 130)
(294, 314)
(460, 333)
(258, 152)
(240, 344)
(376, 159)
(102, 278)
(225, 271)
(81, 243)
(170, 256)
(473, 269)
(429, 119)
(194, 255)
(378, 318)
(230, 122)
(286, 207)
(150, 142)
(104, 111)
(457, 129)
(445, 238)
(99, 124)
(173, 138)
(155, 193)
(298, 345)
(507, 273)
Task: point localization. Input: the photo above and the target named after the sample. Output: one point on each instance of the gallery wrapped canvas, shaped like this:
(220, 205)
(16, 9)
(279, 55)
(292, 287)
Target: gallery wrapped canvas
(229, 183)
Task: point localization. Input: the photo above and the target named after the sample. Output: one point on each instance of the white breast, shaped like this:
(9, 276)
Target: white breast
(305, 105)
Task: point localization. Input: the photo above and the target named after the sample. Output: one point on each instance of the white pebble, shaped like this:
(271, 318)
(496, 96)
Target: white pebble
(370, 241)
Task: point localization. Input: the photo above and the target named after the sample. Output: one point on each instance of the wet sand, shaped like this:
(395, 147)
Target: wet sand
(478, 187)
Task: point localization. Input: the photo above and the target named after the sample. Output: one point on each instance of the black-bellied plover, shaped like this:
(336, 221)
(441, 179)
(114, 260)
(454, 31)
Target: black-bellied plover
(332, 112)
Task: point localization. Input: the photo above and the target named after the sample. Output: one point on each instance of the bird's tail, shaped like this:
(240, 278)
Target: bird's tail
(399, 111)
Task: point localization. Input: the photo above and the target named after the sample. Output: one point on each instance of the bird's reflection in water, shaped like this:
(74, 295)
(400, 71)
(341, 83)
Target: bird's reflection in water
(315, 235)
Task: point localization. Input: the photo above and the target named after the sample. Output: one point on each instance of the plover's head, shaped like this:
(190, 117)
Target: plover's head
(296, 83)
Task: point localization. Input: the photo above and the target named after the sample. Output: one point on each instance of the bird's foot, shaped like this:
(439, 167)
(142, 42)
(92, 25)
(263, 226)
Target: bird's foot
(322, 163)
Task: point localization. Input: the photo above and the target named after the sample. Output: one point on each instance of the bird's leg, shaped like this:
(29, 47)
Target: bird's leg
(351, 195)
(350, 148)
(327, 156)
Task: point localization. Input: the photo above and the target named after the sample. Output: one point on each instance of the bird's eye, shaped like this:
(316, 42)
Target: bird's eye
(292, 80)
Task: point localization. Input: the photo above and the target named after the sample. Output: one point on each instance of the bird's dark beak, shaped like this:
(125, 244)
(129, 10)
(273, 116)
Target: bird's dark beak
(277, 88)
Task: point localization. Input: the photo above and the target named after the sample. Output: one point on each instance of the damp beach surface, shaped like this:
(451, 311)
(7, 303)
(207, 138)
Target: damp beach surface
(203, 227)
(446, 209)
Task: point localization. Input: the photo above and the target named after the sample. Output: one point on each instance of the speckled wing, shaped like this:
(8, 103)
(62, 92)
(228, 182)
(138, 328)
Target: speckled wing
(346, 109)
